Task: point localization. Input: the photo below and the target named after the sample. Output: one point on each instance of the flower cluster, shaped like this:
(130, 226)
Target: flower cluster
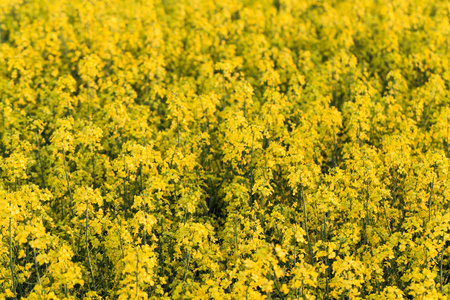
(200, 149)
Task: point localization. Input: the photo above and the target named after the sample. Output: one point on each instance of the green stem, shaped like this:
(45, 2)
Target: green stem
(305, 215)
(11, 262)
(68, 183)
(87, 246)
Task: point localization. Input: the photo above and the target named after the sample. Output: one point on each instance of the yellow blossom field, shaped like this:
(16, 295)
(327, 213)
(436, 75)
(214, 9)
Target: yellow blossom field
(224, 149)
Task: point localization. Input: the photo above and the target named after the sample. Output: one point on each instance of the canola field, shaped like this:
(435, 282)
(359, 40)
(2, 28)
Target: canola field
(232, 149)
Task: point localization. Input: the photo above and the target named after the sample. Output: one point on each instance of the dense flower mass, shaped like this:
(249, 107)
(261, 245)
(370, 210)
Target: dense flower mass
(232, 149)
